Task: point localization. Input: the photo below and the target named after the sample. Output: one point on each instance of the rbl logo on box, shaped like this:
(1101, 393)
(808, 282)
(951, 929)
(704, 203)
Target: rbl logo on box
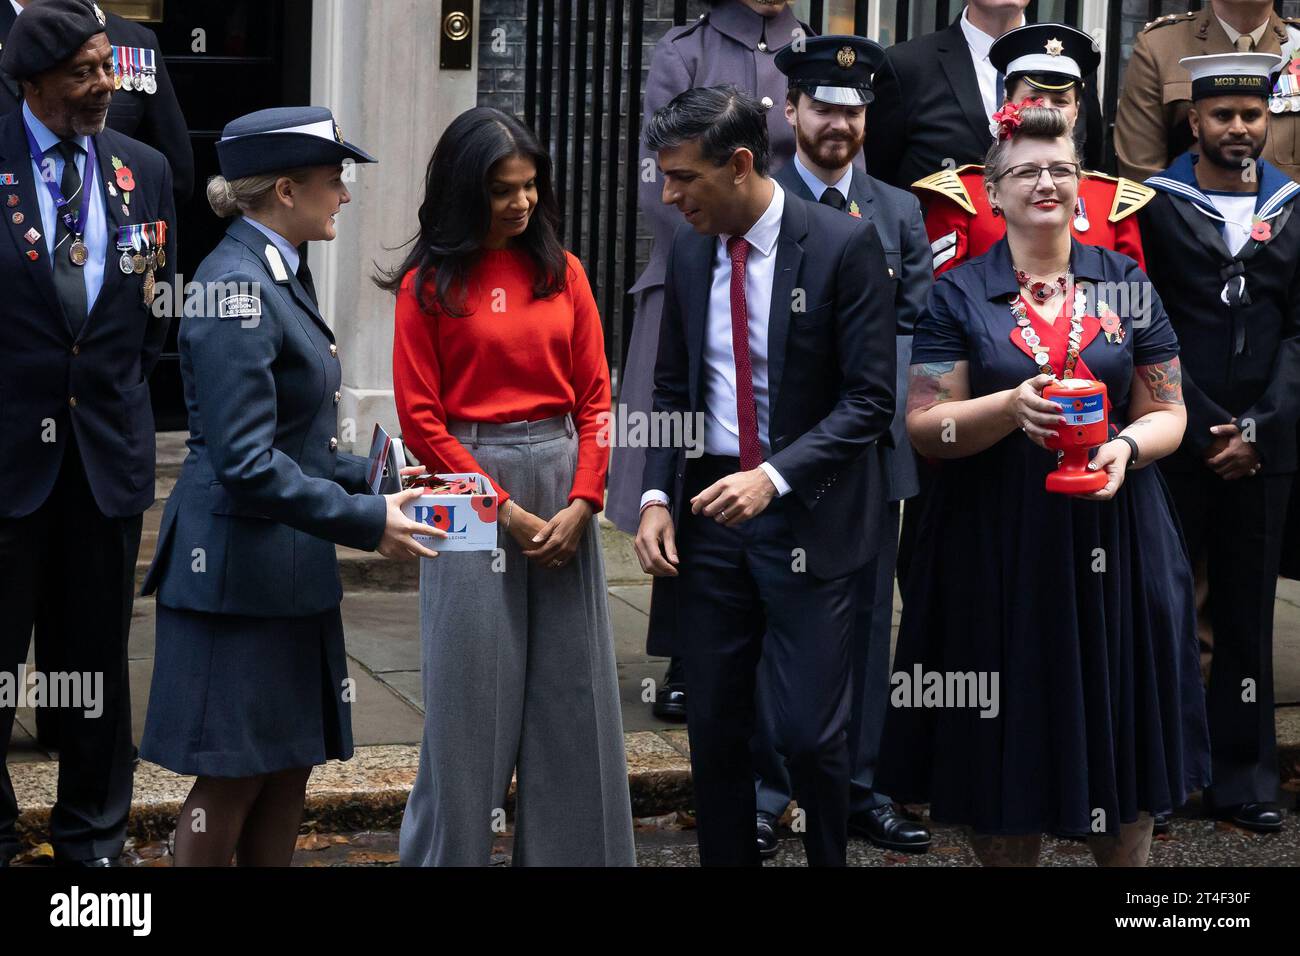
(470, 520)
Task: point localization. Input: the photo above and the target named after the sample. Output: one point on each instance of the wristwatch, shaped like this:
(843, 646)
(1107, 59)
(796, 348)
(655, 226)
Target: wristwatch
(1133, 449)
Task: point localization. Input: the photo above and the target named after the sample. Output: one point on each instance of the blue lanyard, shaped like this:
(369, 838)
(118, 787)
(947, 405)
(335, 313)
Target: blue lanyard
(75, 226)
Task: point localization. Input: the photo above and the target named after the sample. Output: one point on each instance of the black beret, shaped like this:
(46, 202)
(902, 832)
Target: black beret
(48, 33)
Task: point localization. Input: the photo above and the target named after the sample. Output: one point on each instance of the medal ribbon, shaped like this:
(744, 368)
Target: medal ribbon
(75, 226)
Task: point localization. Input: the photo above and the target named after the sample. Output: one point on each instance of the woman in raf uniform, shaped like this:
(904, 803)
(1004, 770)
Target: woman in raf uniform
(1082, 607)
(250, 685)
(1047, 62)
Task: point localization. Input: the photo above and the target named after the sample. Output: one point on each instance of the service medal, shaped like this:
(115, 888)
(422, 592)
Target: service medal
(125, 264)
(78, 253)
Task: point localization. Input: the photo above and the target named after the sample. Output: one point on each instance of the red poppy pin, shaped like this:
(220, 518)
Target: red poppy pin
(1261, 231)
(125, 179)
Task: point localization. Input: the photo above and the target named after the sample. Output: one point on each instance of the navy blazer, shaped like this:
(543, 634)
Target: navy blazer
(830, 376)
(154, 119)
(104, 365)
(264, 493)
(896, 216)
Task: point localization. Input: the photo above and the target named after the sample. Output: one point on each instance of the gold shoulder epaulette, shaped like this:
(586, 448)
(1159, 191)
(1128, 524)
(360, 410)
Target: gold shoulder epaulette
(1167, 19)
(1129, 198)
(947, 183)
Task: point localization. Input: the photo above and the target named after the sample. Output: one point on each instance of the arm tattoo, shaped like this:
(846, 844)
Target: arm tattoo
(1164, 381)
(925, 390)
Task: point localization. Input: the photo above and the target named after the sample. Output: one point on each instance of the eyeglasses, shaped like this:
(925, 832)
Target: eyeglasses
(1028, 174)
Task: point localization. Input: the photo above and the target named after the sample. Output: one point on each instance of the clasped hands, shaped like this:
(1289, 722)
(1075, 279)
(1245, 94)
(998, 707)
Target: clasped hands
(730, 501)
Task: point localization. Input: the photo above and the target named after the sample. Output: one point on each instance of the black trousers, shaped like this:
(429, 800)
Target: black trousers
(89, 559)
(743, 595)
(874, 613)
(1237, 526)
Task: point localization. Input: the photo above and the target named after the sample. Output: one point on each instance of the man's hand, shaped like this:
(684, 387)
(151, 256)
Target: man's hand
(1236, 458)
(655, 544)
(736, 498)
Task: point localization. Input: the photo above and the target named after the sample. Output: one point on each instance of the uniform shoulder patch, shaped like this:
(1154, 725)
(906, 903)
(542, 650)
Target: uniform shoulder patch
(1129, 198)
(239, 307)
(947, 183)
(1167, 19)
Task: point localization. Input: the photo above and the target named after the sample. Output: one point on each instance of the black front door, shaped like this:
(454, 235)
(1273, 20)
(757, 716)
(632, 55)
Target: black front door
(226, 58)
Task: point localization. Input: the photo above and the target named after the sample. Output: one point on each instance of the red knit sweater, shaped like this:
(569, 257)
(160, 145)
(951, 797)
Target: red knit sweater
(513, 358)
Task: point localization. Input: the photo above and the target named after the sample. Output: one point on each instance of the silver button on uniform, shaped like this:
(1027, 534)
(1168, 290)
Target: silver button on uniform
(334, 351)
(338, 397)
(767, 102)
(334, 444)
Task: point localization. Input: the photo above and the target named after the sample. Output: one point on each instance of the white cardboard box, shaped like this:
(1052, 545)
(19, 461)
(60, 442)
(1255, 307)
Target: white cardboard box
(469, 520)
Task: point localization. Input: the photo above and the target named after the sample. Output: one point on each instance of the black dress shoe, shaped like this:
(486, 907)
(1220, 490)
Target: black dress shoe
(765, 831)
(670, 703)
(97, 863)
(889, 829)
(1160, 822)
(1260, 817)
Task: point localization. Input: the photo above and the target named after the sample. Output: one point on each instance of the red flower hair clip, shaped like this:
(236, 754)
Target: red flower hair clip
(1008, 119)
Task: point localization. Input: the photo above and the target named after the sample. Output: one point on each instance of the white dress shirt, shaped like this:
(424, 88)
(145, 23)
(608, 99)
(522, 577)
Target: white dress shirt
(1256, 34)
(985, 72)
(18, 7)
(817, 187)
(721, 429)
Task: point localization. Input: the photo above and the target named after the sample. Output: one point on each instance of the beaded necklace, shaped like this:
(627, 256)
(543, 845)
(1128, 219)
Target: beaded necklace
(1021, 314)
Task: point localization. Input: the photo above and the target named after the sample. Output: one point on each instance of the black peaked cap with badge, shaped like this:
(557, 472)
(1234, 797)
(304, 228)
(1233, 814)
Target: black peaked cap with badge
(1050, 56)
(283, 138)
(48, 33)
(836, 70)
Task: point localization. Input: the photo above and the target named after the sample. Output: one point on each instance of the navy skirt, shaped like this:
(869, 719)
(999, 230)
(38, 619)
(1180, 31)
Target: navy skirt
(239, 696)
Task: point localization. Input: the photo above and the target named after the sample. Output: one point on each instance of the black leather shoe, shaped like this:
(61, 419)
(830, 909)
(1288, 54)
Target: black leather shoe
(889, 829)
(1260, 817)
(670, 703)
(98, 863)
(1160, 822)
(765, 830)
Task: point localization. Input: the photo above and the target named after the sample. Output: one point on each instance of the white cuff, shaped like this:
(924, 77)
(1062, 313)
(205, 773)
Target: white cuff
(782, 489)
(653, 497)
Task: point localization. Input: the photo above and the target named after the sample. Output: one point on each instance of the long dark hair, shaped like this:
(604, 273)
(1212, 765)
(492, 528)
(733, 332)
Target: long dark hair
(457, 213)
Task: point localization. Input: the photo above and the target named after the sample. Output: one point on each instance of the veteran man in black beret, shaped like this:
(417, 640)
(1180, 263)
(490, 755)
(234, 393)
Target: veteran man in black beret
(88, 242)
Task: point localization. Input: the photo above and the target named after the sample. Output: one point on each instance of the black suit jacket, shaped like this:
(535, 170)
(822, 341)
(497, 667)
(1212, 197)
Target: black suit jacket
(830, 374)
(928, 109)
(156, 120)
(104, 364)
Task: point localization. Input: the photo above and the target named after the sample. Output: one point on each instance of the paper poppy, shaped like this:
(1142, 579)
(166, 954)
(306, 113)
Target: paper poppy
(485, 506)
(1109, 323)
(125, 179)
(1261, 231)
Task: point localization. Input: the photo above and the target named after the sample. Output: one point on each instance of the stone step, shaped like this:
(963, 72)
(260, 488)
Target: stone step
(369, 791)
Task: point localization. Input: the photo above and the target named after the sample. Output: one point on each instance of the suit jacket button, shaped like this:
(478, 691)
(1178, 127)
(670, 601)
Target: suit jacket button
(334, 444)
(72, 402)
(334, 351)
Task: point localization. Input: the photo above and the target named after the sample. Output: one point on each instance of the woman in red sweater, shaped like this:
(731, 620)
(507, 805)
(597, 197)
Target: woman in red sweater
(499, 368)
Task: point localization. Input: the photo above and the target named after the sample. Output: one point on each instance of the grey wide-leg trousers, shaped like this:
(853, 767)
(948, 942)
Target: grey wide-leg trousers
(519, 678)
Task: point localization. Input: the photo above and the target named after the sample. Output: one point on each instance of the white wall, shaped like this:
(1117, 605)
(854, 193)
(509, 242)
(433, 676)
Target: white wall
(375, 64)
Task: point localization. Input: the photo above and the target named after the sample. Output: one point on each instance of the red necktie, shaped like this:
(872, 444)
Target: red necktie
(751, 449)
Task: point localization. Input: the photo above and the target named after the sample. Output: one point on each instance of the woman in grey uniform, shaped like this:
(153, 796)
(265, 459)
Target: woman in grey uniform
(250, 687)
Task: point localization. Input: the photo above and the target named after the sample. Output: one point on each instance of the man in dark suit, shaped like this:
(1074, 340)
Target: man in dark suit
(84, 207)
(826, 105)
(777, 337)
(145, 108)
(935, 96)
(148, 112)
(1223, 251)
